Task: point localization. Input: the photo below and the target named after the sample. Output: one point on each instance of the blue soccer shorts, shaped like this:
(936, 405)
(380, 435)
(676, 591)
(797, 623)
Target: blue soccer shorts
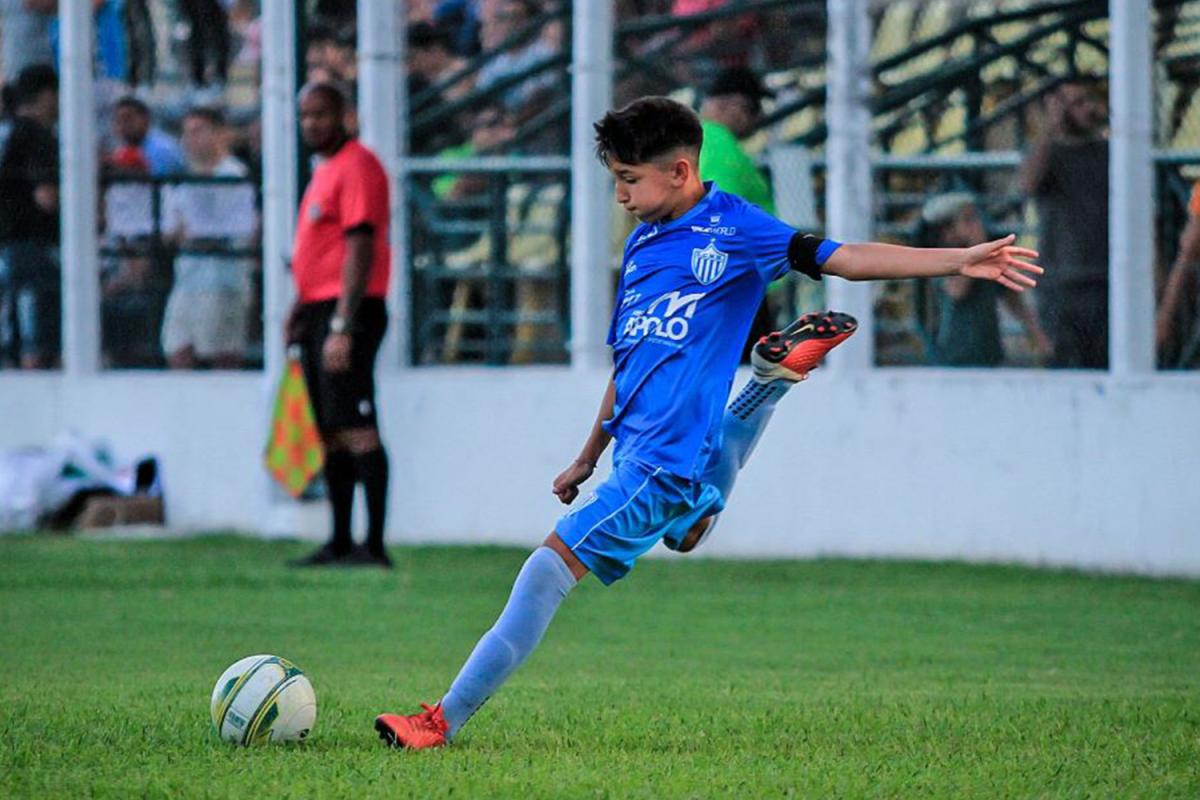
(629, 513)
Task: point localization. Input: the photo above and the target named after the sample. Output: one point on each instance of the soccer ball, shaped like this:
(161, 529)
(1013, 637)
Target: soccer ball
(263, 699)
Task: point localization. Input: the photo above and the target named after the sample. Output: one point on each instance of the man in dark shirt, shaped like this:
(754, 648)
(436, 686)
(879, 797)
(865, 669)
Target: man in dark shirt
(29, 268)
(1066, 172)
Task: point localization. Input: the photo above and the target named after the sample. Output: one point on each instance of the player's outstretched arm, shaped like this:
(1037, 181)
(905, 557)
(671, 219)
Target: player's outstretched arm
(566, 485)
(999, 260)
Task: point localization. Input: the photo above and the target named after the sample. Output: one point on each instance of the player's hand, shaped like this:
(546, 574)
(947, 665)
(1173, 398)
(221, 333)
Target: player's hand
(566, 485)
(335, 355)
(1001, 261)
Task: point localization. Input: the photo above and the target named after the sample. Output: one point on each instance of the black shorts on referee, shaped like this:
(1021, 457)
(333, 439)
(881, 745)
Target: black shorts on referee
(342, 400)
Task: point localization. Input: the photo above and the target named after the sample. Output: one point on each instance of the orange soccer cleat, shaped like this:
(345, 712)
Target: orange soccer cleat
(416, 731)
(795, 351)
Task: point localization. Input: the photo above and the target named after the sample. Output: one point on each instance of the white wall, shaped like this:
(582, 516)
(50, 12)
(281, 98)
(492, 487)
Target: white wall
(1068, 469)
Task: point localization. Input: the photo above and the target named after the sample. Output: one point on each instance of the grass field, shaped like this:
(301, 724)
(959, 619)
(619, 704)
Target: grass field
(692, 678)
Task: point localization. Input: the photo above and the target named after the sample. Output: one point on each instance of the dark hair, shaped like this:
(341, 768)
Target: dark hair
(531, 8)
(130, 101)
(346, 36)
(425, 35)
(320, 33)
(645, 129)
(34, 80)
(337, 93)
(212, 116)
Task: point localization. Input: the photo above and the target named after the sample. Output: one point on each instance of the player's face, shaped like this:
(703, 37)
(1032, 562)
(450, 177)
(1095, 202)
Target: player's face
(320, 124)
(648, 191)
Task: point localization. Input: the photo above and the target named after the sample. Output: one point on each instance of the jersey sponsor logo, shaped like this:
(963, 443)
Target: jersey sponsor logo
(708, 263)
(722, 230)
(667, 317)
(632, 268)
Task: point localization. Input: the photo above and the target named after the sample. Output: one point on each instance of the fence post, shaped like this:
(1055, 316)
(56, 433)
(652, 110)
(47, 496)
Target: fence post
(1131, 190)
(78, 193)
(848, 185)
(591, 205)
(279, 175)
(382, 104)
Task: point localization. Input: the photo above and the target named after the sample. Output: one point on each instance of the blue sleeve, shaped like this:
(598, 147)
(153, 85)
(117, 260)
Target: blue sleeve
(778, 247)
(767, 239)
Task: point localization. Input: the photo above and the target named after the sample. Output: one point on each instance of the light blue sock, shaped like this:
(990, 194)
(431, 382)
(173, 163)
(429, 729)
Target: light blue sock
(541, 585)
(745, 420)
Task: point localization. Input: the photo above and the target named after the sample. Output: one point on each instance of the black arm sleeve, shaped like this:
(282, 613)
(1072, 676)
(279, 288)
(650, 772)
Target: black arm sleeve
(802, 255)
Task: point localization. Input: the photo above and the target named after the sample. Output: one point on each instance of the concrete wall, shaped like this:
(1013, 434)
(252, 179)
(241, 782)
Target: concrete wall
(1066, 469)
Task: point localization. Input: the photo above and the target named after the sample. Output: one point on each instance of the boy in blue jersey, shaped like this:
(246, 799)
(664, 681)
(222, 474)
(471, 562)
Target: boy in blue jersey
(693, 274)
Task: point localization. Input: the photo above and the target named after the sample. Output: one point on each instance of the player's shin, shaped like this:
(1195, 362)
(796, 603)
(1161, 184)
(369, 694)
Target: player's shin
(745, 420)
(541, 586)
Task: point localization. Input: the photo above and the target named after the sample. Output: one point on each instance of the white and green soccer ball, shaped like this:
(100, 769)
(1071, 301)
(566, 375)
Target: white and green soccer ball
(263, 699)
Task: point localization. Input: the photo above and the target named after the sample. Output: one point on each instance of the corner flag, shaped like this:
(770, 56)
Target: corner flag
(294, 455)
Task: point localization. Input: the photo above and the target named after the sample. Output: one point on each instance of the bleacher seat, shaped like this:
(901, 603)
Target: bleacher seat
(1187, 133)
(893, 33)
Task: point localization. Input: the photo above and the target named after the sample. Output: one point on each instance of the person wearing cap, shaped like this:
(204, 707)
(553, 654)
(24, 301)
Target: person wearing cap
(968, 333)
(729, 113)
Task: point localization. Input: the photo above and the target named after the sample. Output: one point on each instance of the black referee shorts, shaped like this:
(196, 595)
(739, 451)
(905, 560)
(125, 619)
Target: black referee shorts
(342, 400)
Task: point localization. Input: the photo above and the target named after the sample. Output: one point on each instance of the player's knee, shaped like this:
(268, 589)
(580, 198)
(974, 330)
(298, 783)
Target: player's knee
(694, 534)
(357, 440)
(577, 567)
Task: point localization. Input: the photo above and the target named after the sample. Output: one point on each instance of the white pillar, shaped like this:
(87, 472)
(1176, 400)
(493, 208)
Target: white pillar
(848, 166)
(279, 174)
(1131, 190)
(77, 198)
(383, 127)
(591, 197)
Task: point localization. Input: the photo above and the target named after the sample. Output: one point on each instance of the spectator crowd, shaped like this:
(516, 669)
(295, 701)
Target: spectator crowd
(180, 153)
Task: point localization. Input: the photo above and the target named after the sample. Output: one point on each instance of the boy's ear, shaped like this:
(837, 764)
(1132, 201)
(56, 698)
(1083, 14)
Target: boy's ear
(680, 170)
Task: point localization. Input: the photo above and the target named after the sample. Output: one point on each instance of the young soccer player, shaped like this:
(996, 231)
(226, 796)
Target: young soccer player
(693, 275)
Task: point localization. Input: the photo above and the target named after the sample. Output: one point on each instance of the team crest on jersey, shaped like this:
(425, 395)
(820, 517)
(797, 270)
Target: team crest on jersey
(708, 263)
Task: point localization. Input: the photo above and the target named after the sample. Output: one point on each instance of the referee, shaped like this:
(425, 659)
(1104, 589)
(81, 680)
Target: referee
(341, 264)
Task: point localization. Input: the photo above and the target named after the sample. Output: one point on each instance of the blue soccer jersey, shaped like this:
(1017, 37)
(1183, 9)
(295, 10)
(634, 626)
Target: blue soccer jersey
(688, 294)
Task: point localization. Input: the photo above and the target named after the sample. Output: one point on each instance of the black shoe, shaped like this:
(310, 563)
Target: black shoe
(326, 556)
(363, 556)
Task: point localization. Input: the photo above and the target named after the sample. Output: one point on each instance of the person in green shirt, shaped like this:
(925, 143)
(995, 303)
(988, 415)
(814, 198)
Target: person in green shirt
(730, 112)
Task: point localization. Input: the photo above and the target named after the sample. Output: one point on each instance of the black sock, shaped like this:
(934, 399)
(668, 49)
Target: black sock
(339, 480)
(373, 475)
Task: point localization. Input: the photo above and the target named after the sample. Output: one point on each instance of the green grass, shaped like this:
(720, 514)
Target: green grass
(691, 678)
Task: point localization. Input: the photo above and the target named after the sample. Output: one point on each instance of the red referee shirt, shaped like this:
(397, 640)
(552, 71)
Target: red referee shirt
(347, 190)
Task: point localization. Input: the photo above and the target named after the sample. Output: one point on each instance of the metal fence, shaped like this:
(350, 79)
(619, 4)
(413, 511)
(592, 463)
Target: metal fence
(152, 225)
(488, 238)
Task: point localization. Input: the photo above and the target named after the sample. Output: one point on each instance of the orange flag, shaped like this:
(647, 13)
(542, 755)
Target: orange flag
(294, 455)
